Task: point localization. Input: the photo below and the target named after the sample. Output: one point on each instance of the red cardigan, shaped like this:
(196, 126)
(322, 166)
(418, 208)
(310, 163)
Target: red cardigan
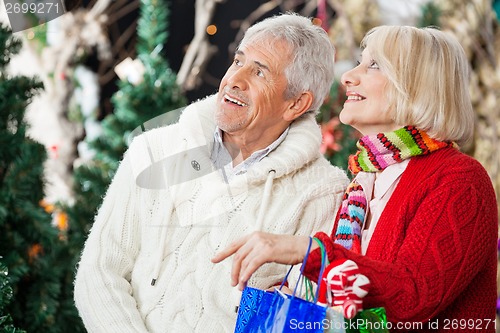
(433, 255)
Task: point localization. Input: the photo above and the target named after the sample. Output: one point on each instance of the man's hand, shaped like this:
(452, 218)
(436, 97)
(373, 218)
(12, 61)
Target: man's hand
(254, 250)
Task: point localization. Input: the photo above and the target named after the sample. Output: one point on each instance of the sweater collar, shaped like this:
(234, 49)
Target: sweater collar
(300, 147)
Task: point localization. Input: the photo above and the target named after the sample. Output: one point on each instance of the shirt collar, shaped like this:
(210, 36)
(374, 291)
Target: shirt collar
(260, 154)
(256, 155)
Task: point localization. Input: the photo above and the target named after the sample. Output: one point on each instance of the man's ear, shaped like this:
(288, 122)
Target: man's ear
(298, 106)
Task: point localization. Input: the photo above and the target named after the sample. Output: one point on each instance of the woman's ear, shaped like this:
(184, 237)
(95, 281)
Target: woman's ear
(299, 106)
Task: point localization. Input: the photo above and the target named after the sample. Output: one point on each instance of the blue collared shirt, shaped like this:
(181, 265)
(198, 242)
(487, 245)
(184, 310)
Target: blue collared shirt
(222, 159)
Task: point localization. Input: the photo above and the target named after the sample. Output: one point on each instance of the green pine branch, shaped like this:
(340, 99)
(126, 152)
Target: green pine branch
(152, 26)
(431, 14)
(6, 294)
(28, 241)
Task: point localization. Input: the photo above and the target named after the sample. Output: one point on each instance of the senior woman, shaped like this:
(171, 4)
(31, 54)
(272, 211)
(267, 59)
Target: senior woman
(420, 217)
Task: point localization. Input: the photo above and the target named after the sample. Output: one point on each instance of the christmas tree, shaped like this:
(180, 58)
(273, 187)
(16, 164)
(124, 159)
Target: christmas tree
(29, 243)
(6, 325)
(151, 93)
(147, 90)
(142, 95)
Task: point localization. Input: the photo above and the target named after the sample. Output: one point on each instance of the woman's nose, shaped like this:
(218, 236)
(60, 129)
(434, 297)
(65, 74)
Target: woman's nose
(349, 78)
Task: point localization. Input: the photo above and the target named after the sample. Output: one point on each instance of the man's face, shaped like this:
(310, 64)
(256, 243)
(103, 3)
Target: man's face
(251, 93)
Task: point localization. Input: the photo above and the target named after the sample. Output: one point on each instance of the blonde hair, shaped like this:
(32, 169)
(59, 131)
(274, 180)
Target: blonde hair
(429, 75)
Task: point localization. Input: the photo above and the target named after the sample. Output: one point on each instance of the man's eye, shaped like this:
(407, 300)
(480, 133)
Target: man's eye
(237, 62)
(260, 73)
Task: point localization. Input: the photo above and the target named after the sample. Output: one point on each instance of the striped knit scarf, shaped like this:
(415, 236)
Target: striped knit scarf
(377, 152)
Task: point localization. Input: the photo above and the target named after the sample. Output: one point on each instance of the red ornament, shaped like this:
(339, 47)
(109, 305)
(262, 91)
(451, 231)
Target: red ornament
(54, 151)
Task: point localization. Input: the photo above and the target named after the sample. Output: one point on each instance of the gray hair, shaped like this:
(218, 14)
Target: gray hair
(312, 63)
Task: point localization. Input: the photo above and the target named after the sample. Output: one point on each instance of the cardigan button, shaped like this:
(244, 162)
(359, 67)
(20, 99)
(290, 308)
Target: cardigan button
(195, 165)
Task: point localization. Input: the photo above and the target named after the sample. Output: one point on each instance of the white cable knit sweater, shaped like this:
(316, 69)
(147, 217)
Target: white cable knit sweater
(147, 230)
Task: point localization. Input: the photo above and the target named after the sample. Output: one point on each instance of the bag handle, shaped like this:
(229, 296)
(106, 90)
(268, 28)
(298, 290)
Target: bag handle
(323, 264)
(291, 267)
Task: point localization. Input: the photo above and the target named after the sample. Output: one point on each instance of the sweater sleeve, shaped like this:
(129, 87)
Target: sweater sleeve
(314, 260)
(319, 212)
(444, 244)
(102, 289)
(318, 215)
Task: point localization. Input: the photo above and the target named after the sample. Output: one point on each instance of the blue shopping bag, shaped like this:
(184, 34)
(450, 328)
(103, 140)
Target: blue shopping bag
(254, 305)
(294, 314)
(262, 311)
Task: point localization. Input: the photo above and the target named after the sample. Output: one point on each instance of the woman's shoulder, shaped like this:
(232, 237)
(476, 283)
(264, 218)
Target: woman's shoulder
(449, 164)
(447, 158)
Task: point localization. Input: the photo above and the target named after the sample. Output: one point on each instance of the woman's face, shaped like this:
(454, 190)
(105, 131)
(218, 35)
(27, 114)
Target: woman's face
(366, 108)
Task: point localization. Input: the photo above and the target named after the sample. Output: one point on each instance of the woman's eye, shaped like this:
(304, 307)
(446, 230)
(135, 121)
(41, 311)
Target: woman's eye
(373, 65)
(260, 73)
(237, 62)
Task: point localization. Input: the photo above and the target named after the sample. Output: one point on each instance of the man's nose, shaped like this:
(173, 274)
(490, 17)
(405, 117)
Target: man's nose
(238, 79)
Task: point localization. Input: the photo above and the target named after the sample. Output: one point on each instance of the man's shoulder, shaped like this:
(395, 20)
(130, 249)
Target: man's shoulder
(330, 171)
(192, 119)
(321, 172)
(155, 137)
(201, 111)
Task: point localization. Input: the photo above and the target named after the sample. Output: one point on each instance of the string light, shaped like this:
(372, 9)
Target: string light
(317, 21)
(212, 29)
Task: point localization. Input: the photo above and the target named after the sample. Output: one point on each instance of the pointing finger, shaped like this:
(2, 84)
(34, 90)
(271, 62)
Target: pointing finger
(229, 250)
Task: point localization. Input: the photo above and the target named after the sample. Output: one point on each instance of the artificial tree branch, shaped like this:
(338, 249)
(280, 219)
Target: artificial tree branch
(199, 51)
(251, 19)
